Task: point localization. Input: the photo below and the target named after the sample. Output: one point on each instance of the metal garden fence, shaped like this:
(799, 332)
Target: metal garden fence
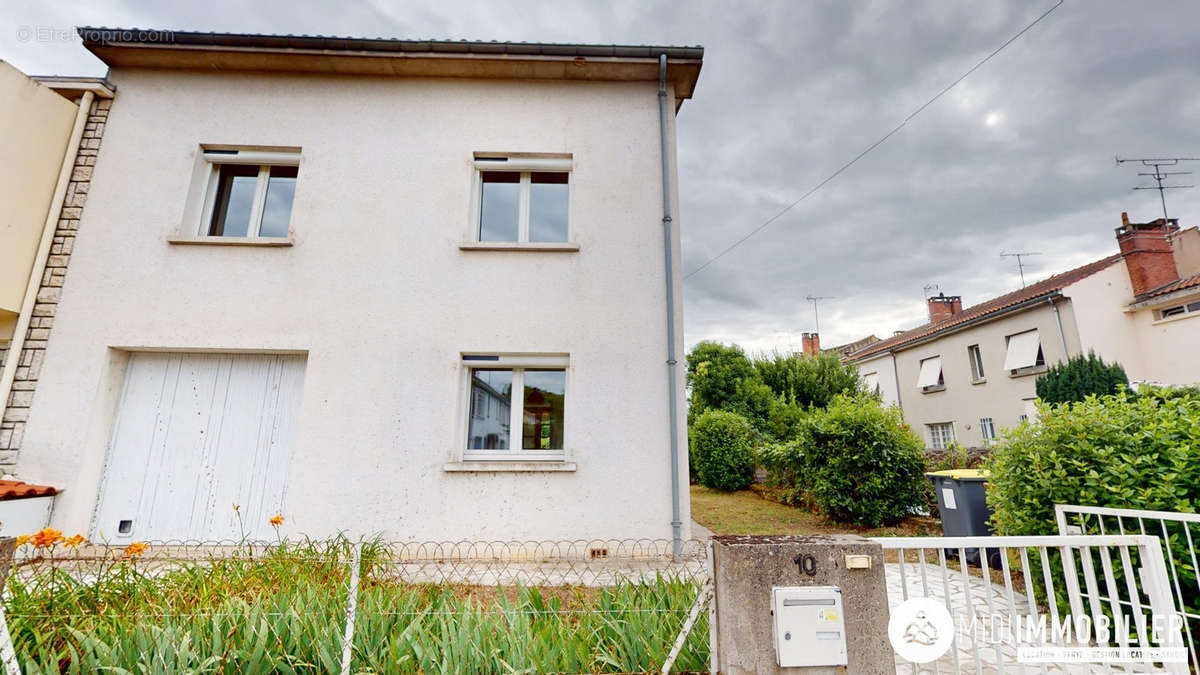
(342, 606)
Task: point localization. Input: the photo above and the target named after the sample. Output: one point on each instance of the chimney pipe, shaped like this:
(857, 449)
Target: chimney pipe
(942, 306)
(1148, 254)
(810, 343)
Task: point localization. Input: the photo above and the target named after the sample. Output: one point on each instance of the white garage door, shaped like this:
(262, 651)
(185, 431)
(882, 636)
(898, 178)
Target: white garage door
(194, 435)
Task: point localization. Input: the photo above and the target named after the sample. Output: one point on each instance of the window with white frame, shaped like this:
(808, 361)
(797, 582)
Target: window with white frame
(1190, 308)
(941, 435)
(930, 378)
(249, 193)
(522, 199)
(1024, 354)
(976, 358)
(871, 382)
(987, 430)
(517, 406)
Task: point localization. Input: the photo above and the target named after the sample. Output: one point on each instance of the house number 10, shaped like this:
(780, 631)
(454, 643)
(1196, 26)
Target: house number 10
(806, 564)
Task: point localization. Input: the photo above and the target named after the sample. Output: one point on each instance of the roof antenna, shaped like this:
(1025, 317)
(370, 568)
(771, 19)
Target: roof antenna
(1158, 175)
(816, 318)
(1020, 264)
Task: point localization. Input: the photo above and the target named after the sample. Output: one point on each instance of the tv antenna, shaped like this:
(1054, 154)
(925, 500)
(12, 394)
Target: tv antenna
(1020, 263)
(926, 291)
(1158, 175)
(814, 299)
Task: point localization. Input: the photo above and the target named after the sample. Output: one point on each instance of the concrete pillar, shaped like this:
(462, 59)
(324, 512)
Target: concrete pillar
(745, 568)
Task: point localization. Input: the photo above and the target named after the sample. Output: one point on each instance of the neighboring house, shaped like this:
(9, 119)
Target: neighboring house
(378, 286)
(43, 123)
(969, 372)
(844, 351)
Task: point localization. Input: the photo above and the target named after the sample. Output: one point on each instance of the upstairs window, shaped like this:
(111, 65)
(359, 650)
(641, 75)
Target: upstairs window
(1179, 310)
(976, 359)
(871, 382)
(250, 193)
(931, 379)
(1024, 355)
(523, 200)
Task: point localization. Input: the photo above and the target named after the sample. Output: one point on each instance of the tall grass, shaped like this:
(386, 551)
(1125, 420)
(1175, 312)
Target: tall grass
(284, 612)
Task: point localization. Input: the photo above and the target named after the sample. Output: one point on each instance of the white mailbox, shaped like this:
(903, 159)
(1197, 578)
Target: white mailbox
(810, 629)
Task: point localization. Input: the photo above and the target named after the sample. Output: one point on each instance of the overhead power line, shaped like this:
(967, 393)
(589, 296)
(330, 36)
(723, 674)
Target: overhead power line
(872, 146)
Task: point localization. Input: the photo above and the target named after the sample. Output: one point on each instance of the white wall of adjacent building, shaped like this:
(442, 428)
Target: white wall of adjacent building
(35, 125)
(1150, 348)
(379, 299)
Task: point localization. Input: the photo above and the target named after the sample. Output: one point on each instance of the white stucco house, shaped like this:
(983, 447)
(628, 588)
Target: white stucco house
(416, 289)
(970, 372)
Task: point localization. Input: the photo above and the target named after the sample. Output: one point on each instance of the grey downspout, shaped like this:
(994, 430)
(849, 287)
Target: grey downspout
(1061, 335)
(672, 399)
(896, 377)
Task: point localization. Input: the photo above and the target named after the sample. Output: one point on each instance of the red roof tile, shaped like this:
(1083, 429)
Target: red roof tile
(15, 489)
(994, 306)
(1188, 282)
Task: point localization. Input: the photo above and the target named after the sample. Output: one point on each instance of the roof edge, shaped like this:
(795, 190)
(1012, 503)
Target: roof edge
(1049, 287)
(190, 50)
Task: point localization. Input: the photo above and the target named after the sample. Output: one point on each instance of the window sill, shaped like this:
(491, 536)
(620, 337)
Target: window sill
(982, 380)
(930, 390)
(527, 466)
(232, 241)
(562, 247)
(1026, 372)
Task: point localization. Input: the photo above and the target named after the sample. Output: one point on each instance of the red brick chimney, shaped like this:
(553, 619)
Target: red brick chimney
(1146, 248)
(810, 343)
(942, 306)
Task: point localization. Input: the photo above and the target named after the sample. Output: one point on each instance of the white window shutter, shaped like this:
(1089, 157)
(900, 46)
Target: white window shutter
(1022, 350)
(931, 372)
(870, 381)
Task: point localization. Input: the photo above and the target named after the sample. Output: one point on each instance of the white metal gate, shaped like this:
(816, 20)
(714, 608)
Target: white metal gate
(1014, 585)
(1173, 530)
(196, 434)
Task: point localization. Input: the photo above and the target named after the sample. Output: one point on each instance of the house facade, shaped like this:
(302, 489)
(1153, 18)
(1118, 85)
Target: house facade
(970, 372)
(376, 286)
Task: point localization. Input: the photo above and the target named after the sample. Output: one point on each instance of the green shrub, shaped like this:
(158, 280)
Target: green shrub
(1080, 377)
(715, 372)
(1142, 453)
(808, 381)
(1130, 452)
(721, 446)
(858, 461)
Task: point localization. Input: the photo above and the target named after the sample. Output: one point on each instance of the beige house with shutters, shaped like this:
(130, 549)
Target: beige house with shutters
(970, 372)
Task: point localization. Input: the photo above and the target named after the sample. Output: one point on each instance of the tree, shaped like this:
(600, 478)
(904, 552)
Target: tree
(1080, 376)
(809, 381)
(715, 374)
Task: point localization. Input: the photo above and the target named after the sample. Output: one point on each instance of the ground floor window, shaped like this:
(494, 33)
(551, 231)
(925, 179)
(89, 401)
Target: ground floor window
(516, 411)
(987, 429)
(941, 435)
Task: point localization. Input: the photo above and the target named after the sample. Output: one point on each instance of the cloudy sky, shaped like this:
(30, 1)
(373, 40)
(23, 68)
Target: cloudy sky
(1018, 157)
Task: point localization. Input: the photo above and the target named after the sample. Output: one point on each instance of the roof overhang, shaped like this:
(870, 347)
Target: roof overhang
(72, 87)
(1164, 299)
(223, 52)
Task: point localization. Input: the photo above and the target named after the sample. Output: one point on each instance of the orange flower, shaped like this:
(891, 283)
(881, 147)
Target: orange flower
(46, 538)
(75, 541)
(136, 548)
(276, 520)
(22, 540)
